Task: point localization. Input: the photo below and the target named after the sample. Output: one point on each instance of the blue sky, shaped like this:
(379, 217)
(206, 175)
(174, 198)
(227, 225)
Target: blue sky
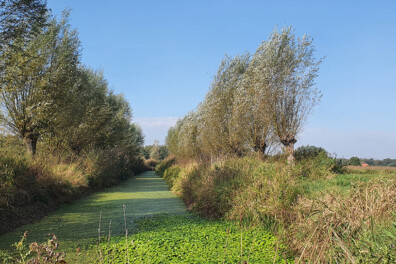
(162, 56)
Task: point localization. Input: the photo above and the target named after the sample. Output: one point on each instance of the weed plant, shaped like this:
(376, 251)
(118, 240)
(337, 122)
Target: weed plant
(35, 253)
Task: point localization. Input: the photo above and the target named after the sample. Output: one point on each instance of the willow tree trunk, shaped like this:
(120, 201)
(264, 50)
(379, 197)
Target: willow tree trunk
(290, 154)
(259, 146)
(31, 143)
(288, 141)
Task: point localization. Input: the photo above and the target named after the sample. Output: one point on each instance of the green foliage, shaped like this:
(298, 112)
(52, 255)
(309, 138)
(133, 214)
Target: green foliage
(161, 152)
(155, 151)
(170, 175)
(190, 239)
(164, 165)
(354, 161)
(76, 224)
(38, 80)
(217, 133)
(20, 19)
(384, 162)
(304, 152)
(146, 151)
(111, 167)
(316, 165)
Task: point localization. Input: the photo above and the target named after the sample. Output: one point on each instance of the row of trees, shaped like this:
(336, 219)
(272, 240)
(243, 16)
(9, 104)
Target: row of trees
(255, 102)
(355, 161)
(384, 162)
(47, 95)
(155, 151)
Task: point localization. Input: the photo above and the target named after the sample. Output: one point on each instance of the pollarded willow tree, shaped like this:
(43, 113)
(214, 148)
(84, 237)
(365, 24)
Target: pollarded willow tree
(216, 111)
(97, 118)
(172, 138)
(289, 72)
(253, 102)
(37, 80)
(251, 116)
(188, 144)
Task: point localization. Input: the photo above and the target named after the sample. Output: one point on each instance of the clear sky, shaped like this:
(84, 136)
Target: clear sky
(162, 56)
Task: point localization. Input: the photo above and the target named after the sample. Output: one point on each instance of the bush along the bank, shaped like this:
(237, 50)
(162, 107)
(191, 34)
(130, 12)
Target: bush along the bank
(320, 216)
(247, 187)
(32, 187)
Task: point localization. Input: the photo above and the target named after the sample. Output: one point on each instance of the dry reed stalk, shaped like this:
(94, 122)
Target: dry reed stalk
(241, 221)
(109, 232)
(343, 247)
(276, 252)
(225, 249)
(302, 254)
(251, 247)
(126, 236)
(100, 248)
(108, 241)
(336, 220)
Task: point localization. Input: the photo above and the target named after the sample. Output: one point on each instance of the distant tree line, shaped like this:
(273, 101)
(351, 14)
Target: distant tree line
(155, 151)
(384, 162)
(47, 95)
(255, 102)
(355, 161)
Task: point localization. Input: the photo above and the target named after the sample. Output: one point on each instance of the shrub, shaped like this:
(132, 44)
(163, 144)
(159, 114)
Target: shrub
(305, 152)
(30, 187)
(354, 161)
(150, 163)
(109, 167)
(164, 164)
(170, 175)
(268, 192)
(316, 166)
(244, 187)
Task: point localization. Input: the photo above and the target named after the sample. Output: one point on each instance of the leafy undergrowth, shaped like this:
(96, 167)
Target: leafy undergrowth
(191, 239)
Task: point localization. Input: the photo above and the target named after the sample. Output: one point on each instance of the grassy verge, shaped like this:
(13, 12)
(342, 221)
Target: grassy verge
(31, 187)
(320, 215)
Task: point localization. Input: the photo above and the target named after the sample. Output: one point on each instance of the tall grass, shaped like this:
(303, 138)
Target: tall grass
(322, 217)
